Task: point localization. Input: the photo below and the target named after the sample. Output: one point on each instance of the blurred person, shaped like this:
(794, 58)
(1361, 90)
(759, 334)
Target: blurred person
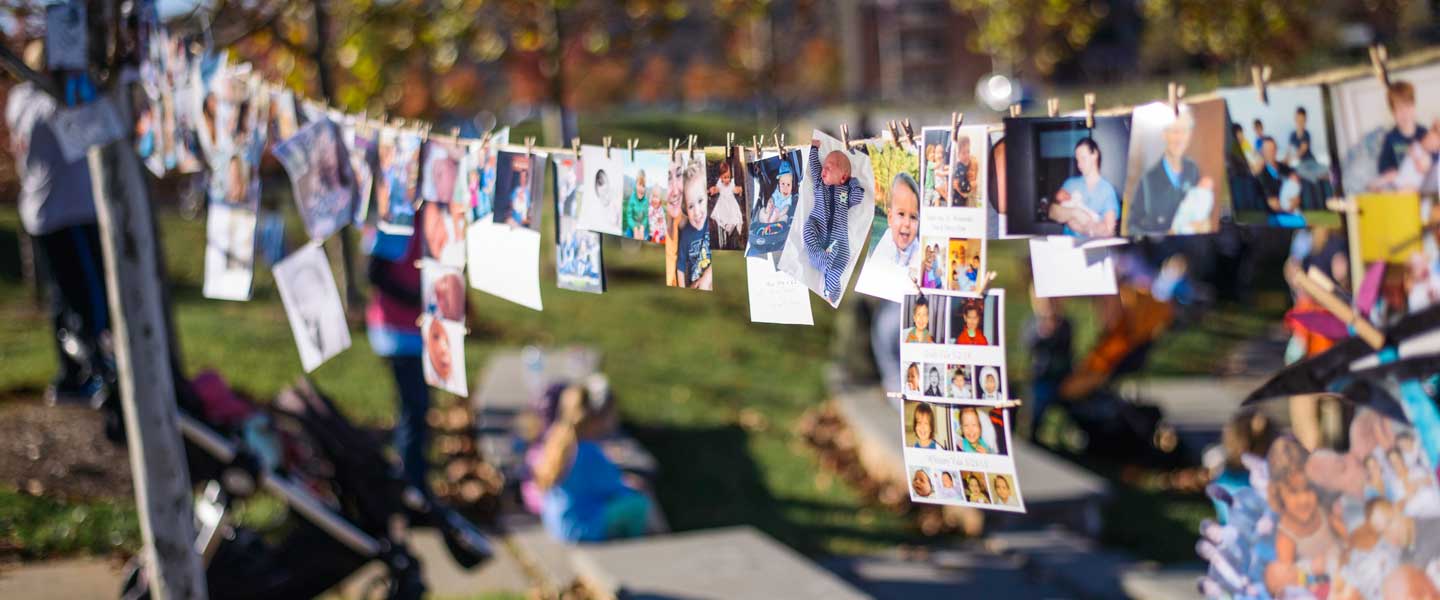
(1048, 338)
(1400, 97)
(587, 497)
(57, 209)
(1171, 192)
(1087, 204)
(391, 323)
(1259, 127)
(1300, 150)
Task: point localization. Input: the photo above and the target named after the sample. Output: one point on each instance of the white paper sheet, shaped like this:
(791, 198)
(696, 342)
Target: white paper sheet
(505, 262)
(1064, 268)
(776, 297)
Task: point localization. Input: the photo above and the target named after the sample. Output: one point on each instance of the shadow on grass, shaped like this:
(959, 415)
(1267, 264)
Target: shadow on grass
(708, 480)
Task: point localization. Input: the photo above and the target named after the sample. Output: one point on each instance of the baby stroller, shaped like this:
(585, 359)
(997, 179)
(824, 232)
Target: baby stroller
(352, 504)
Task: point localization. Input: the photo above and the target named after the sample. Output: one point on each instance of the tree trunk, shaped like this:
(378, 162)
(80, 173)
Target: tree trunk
(354, 300)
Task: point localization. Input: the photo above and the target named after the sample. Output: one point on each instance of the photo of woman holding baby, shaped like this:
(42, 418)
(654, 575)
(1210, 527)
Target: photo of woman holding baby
(1066, 176)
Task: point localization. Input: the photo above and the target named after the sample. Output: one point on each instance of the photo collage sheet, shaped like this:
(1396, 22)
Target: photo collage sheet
(955, 417)
(512, 230)
(952, 255)
(579, 259)
(442, 220)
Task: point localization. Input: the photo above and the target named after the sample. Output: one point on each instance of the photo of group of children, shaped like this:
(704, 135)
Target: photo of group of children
(579, 262)
(1355, 522)
(832, 222)
(950, 264)
(1064, 178)
(647, 186)
(960, 454)
(951, 255)
(1278, 162)
(442, 327)
(775, 182)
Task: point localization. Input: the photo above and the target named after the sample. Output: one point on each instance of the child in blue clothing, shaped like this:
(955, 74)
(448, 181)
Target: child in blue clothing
(586, 498)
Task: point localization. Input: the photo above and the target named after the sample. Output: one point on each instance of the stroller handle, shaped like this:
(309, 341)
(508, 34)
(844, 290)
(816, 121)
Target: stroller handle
(299, 499)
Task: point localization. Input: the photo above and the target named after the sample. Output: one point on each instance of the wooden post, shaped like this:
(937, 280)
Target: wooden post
(142, 356)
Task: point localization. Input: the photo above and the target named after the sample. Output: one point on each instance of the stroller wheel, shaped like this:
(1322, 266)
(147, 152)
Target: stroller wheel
(134, 586)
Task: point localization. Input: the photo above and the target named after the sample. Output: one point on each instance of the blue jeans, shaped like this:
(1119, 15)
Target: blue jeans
(412, 432)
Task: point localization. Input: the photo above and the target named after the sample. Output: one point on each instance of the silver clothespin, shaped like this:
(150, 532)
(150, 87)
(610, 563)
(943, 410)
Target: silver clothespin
(606, 141)
(1379, 61)
(1052, 107)
(1261, 77)
(1089, 110)
(956, 118)
(729, 142)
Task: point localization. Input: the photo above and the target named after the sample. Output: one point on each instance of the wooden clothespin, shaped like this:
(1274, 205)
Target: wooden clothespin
(529, 145)
(1014, 111)
(674, 145)
(894, 131)
(729, 142)
(1089, 110)
(1379, 61)
(1260, 76)
(575, 145)
(1319, 287)
(780, 144)
(956, 118)
(845, 135)
(455, 133)
(1052, 107)
(690, 145)
(755, 141)
(606, 141)
(984, 283)
(909, 132)
(631, 144)
(1176, 94)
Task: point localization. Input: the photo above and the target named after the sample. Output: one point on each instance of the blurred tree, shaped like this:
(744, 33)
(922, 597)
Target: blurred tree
(1239, 32)
(1030, 37)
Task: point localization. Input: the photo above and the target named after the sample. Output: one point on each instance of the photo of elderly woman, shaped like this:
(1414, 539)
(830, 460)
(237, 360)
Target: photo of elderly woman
(1064, 177)
(1175, 182)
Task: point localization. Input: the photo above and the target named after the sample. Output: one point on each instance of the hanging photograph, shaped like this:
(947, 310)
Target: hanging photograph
(894, 247)
(837, 205)
(517, 198)
(1388, 138)
(1175, 180)
(312, 302)
(1063, 178)
(444, 354)
(1278, 159)
(601, 201)
(688, 251)
(320, 175)
(646, 188)
(398, 169)
(579, 262)
(775, 183)
(725, 186)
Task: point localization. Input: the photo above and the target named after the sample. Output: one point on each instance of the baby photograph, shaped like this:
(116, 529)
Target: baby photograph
(442, 290)
(1175, 177)
(442, 224)
(1278, 156)
(979, 430)
(725, 186)
(837, 204)
(444, 354)
(1064, 178)
(960, 382)
(894, 246)
(441, 170)
(601, 201)
(776, 184)
(925, 426)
